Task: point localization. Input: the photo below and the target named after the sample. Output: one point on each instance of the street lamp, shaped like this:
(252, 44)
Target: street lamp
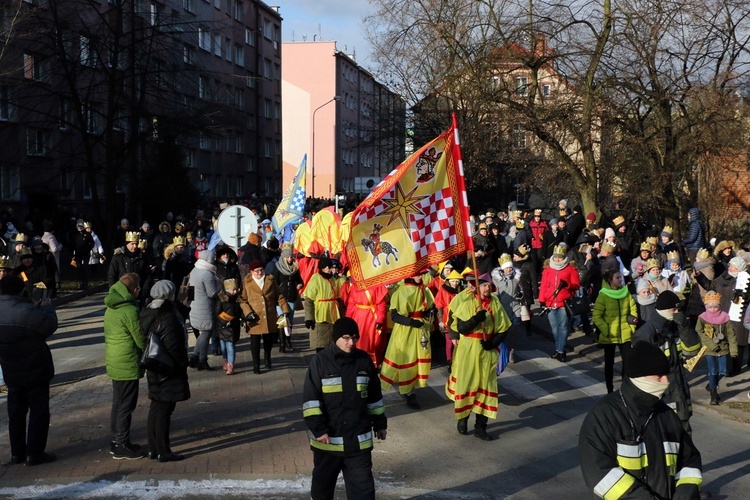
(312, 156)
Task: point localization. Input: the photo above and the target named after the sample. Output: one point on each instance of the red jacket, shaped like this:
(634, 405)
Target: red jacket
(551, 281)
(537, 231)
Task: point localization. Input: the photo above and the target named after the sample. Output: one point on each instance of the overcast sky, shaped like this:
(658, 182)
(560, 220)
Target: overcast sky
(339, 20)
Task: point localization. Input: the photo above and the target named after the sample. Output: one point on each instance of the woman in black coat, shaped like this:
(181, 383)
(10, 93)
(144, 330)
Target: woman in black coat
(164, 391)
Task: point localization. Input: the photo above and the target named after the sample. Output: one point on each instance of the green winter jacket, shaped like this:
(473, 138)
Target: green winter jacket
(611, 315)
(122, 335)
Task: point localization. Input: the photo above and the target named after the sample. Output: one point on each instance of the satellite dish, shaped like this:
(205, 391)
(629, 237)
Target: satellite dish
(235, 224)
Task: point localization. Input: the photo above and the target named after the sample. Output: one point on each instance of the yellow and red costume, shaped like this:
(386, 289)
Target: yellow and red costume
(368, 308)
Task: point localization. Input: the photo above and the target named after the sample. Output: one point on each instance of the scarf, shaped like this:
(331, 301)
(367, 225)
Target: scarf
(618, 294)
(733, 275)
(260, 282)
(649, 386)
(557, 266)
(285, 268)
(155, 304)
(202, 264)
(714, 317)
(666, 314)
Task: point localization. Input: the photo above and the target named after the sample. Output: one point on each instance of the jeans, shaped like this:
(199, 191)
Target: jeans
(227, 349)
(124, 401)
(717, 368)
(558, 322)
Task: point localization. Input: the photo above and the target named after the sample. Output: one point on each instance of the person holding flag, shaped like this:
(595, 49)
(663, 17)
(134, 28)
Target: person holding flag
(483, 324)
(408, 357)
(292, 205)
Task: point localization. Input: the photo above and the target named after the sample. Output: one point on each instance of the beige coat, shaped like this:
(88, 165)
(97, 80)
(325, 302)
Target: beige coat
(263, 303)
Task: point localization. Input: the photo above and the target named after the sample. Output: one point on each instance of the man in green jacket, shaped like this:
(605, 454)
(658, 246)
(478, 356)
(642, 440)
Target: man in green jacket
(124, 344)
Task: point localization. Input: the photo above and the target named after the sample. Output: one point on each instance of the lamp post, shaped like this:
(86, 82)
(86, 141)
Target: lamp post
(312, 156)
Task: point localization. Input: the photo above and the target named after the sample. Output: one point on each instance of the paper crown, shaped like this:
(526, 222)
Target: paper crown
(537, 211)
(491, 212)
(454, 275)
(142, 244)
(702, 254)
(505, 260)
(618, 221)
(652, 240)
(482, 225)
(646, 247)
(608, 246)
(651, 263)
(230, 284)
(712, 297)
(560, 250)
(673, 255)
(516, 213)
(523, 249)
(21, 238)
(131, 237)
(667, 229)
(179, 241)
(520, 224)
(5, 262)
(24, 252)
(563, 212)
(86, 225)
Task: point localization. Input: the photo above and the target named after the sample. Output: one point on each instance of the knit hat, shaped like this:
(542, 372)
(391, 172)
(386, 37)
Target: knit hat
(641, 285)
(324, 262)
(256, 264)
(739, 263)
(667, 300)
(162, 289)
(591, 217)
(253, 239)
(286, 250)
(609, 233)
(345, 326)
(646, 359)
(553, 222)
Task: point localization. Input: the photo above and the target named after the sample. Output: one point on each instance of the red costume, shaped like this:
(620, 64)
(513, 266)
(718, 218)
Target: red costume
(368, 307)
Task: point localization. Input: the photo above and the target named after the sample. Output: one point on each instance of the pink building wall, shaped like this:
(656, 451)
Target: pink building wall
(308, 74)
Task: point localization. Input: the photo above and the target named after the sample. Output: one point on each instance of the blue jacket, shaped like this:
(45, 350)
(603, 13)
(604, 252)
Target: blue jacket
(696, 237)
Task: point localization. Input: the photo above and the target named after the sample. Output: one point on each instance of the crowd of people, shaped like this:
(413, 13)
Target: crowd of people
(620, 288)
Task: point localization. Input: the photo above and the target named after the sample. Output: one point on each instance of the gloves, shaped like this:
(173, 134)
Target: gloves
(251, 317)
(487, 345)
(564, 284)
(378, 326)
(480, 316)
(416, 323)
(309, 324)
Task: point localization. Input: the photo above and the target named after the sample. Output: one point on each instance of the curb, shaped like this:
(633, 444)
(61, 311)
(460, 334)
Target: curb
(62, 300)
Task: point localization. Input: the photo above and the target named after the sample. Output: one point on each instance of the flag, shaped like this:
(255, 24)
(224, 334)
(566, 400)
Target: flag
(416, 217)
(292, 205)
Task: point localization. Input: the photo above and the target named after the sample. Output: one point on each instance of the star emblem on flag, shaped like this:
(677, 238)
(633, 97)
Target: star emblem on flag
(402, 205)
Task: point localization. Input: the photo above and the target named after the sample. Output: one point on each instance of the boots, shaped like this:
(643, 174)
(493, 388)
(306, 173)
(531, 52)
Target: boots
(714, 397)
(480, 428)
(463, 425)
(288, 341)
(230, 368)
(268, 362)
(256, 367)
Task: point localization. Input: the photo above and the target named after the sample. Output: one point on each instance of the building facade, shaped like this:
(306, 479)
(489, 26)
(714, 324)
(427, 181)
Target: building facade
(350, 126)
(100, 101)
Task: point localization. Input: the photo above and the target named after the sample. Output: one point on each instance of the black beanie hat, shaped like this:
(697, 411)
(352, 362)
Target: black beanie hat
(345, 326)
(646, 359)
(667, 300)
(324, 262)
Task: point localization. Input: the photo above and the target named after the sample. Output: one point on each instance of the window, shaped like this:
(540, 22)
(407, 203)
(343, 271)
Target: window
(546, 90)
(519, 136)
(250, 37)
(217, 44)
(203, 141)
(230, 96)
(188, 54)
(188, 5)
(88, 55)
(120, 120)
(250, 163)
(10, 184)
(267, 29)
(239, 55)
(240, 99)
(190, 159)
(34, 68)
(267, 108)
(228, 49)
(522, 85)
(250, 82)
(267, 147)
(217, 186)
(36, 142)
(66, 113)
(87, 188)
(204, 39)
(90, 118)
(203, 90)
(121, 62)
(239, 10)
(239, 144)
(267, 68)
(239, 186)
(217, 4)
(154, 14)
(6, 105)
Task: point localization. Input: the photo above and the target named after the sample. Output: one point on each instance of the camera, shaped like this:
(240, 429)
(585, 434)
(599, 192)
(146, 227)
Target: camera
(544, 311)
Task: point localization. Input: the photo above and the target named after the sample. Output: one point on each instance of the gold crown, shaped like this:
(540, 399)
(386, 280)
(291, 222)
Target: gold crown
(673, 255)
(667, 229)
(131, 237)
(142, 244)
(538, 211)
(21, 238)
(230, 284)
(516, 213)
(24, 252)
(5, 262)
(618, 221)
(504, 260)
(702, 254)
(520, 224)
(560, 250)
(86, 225)
(608, 246)
(646, 247)
(179, 241)
(564, 212)
(523, 249)
(651, 263)
(652, 240)
(712, 296)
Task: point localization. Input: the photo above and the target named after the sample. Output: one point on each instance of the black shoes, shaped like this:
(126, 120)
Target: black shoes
(203, 365)
(113, 446)
(463, 425)
(14, 459)
(193, 361)
(715, 397)
(560, 356)
(170, 457)
(127, 452)
(481, 433)
(411, 402)
(44, 458)
(256, 369)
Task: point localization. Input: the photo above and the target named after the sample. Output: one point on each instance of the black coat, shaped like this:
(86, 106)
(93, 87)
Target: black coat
(171, 328)
(288, 283)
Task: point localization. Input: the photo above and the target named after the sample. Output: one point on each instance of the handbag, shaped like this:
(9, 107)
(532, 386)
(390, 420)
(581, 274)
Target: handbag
(186, 294)
(578, 304)
(155, 356)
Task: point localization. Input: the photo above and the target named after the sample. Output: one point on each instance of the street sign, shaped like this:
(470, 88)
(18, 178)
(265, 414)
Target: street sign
(234, 225)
